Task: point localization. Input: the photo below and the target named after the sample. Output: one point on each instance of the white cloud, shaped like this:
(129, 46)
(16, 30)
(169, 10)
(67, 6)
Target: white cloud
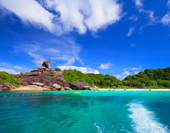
(63, 16)
(38, 61)
(134, 18)
(130, 32)
(13, 69)
(58, 49)
(166, 19)
(138, 3)
(136, 68)
(105, 66)
(126, 73)
(30, 11)
(119, 76)
(123, 75)
(85, 14)
(168, 3)
(17, 67)
(151, 16)
(10, 71)
(82, 69)
(136, 72)
(152, 19)
(133, 68)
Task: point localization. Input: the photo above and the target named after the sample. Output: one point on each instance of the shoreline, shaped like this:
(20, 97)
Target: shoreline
(45, 89)
(134, 89)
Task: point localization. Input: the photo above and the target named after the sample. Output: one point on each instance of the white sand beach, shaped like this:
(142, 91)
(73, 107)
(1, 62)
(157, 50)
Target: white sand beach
(134, 89)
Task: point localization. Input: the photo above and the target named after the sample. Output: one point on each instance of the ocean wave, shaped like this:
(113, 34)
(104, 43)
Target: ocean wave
(98, 128)
(145, 120)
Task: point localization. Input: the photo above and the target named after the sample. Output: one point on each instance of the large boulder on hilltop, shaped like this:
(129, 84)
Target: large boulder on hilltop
(80, 86)
(6, 86)
(46, 64)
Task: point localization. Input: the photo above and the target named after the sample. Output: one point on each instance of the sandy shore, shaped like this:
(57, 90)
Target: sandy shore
(37, 88)
(134, 89)
(31, 88)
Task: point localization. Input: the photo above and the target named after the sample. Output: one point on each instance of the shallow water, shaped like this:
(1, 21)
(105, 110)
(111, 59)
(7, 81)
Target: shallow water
(88, 112)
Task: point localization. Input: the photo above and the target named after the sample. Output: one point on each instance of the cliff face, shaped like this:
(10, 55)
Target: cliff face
(44, 75)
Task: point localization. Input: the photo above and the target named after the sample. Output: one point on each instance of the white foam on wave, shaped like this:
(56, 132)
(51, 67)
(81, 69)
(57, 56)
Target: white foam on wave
(144, 120)
(98, 128)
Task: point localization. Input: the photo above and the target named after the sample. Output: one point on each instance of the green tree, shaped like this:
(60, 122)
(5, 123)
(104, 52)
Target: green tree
(57, 69)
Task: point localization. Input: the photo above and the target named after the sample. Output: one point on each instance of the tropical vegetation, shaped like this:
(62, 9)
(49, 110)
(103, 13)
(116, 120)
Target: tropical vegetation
(9, 78)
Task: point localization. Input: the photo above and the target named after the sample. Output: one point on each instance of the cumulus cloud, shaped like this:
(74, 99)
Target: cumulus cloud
(130, 32)
(166, 19)
(30, 11)
(105, 66)
(63, 16)
(59, 49)
(82, 69)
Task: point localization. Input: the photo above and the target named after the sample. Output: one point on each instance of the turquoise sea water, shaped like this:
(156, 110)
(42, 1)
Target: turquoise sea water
(88, 112)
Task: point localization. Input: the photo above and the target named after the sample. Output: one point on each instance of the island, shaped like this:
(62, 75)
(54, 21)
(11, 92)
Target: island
(45, 78)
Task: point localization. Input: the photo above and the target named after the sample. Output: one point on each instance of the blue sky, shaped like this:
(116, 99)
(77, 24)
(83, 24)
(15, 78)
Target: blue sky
(119, 38)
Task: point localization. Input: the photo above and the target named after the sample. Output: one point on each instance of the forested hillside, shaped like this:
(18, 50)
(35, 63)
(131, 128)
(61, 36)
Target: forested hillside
(150, 78)
(98, 80)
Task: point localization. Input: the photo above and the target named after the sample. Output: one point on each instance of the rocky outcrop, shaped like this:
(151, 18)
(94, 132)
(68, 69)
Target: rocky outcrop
(45, 76)
(80, 86)
(6, 86)
(37, 84)
(68, 89)
(56, 87)
(46, 64)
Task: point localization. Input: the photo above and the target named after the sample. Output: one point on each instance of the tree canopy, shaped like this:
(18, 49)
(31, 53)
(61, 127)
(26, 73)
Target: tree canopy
(150, 78)
(98, 80)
